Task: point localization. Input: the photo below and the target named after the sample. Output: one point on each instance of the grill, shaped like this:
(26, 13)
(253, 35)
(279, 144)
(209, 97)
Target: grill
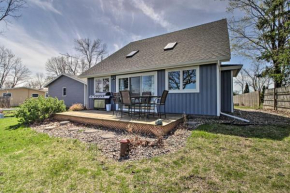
(101, 99)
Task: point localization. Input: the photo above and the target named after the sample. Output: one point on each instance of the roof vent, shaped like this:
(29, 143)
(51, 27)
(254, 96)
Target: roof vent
(131, 54)
(170, 46)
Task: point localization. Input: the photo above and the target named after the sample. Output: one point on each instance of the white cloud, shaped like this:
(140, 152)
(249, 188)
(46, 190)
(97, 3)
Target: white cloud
(33, 53)
(46, 5)
(116, 47)
(156, 17)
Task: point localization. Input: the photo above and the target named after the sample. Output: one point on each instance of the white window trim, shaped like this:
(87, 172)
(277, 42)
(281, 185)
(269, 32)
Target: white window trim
(102, 83)
(65, 91)
(6, 93)
(33, 94)
(196, 90)
(138, 74)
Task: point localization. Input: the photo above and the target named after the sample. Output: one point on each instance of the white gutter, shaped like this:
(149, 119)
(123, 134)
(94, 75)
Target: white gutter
(184, 64)
(234, 117)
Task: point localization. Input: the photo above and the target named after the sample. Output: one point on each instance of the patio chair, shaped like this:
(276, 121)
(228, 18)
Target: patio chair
(161, 102)
(126, 101)
(145, 103)
(117, 102)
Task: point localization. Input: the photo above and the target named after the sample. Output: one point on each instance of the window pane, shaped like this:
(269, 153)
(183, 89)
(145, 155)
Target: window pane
(98, 85)
(7, 94)
(135, 85)
(123, 84)
(34, 95)
(64, 91)
(174, 80)
(189, 79)
(106, 85)
(148, 84)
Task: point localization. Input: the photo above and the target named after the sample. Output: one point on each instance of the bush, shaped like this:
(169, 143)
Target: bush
(39, 109)
(77, 107)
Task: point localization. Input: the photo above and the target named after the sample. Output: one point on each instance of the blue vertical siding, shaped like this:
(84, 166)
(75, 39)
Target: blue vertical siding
(90, 92)
(226, 91)
(202, 103)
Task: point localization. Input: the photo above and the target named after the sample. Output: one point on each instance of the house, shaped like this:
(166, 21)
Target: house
(68, 88)
(188, 63)
(20, 94)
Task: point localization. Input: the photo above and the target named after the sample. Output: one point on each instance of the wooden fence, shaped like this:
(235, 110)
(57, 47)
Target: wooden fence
(280, 96)
(249, 99)
(4, 102)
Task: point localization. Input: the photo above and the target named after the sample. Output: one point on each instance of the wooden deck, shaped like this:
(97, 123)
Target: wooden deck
(134, 124)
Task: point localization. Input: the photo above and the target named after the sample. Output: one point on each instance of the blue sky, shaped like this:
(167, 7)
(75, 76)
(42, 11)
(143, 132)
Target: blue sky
(49, 27)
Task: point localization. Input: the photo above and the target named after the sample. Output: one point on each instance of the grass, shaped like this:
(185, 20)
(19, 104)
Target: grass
(217, 158)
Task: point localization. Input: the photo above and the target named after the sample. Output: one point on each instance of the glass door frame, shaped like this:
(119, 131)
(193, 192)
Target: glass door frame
(154, 74)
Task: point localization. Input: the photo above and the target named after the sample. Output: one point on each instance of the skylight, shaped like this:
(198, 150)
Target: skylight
(131, 54)
(170, 46)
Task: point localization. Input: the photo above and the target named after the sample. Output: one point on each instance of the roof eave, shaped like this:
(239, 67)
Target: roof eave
(190, 63)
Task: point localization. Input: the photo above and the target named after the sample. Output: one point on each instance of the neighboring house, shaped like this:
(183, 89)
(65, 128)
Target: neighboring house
(68, 88)
(20, 94)
(185, 62)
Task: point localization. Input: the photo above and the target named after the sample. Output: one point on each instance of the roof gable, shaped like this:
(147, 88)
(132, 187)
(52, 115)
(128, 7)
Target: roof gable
(208, 42)
(69, 76)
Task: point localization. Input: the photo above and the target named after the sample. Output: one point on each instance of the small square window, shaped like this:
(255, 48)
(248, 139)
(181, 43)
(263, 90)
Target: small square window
(63, 91)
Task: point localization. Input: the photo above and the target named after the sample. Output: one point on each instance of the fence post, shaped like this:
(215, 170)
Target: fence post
(275, 100)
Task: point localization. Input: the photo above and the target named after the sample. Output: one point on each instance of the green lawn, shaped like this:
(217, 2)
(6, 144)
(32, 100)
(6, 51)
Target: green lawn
(217, 158)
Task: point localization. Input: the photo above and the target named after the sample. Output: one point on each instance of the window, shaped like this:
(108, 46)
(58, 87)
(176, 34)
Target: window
(102, 85)
(63, 91)
(34, 95)
(138, 83)
(182, 80)
(131, 54)
(170, 46)
(7, 94)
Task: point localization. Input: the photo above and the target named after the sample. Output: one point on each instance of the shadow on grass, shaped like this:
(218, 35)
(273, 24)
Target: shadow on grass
(16, 126)
(274, 132)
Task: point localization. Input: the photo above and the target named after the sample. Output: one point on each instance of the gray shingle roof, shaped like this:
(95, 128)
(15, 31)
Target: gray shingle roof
(81, 80)
(207, 42)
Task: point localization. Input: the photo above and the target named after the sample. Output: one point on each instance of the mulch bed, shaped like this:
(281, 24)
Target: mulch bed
(260, 117)
(108, 140)
(148, 147)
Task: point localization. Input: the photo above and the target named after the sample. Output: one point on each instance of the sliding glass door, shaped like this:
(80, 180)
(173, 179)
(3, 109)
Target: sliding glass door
(138, 83)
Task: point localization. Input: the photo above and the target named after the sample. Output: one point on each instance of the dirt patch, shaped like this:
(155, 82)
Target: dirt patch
(110, 146)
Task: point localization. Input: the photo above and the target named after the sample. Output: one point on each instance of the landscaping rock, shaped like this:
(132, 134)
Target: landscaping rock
(64, 122)
(108, 136)
(74, 129)
(90, 131)
(1, 116)
(49, 128)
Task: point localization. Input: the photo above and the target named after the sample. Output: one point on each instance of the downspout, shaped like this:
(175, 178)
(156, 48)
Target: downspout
(218, 89)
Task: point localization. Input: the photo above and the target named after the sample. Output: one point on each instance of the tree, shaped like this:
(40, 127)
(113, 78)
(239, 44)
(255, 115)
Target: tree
(56, 66)
(19, 74)
(12, 71)
(256, 77)
(91, 51)
(263, 31)
(241, 80)
(38, 82)
(247, 90)
(10, 8)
